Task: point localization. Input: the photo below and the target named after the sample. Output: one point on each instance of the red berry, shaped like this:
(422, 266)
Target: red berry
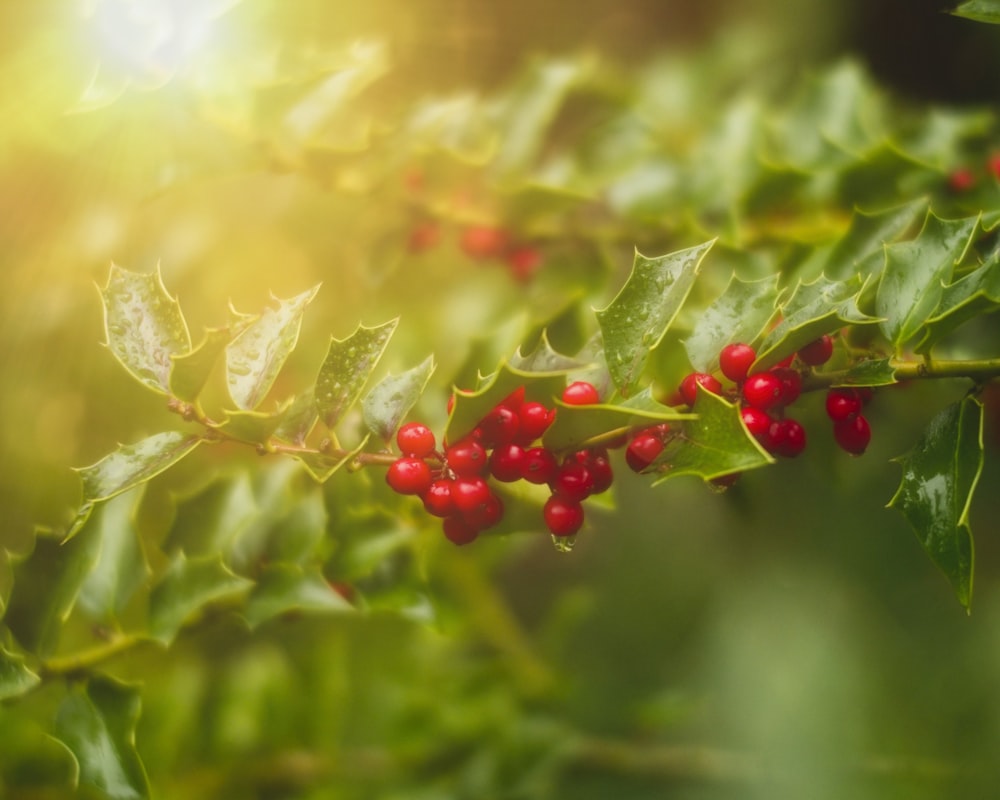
(514, 400)
(408, 475)
(481, 241)
(642, 451)
(467, 457)
(535, 420)
(469, 493)
(500, 426)
(580, 393)
(757, 422)
(817, 352)
(573, 481)
(486, 514)
(994, 165)
(853, 434)
(437, 499)
(423, 237)
(763, 390)
(735, 361)
(539, 465)
(507, 463)
(600, 472)
(788, 438)
(524, 262)
(415, 439)
(962, 180)
(459, 531)
(563, 517)
(842, 404)
(689, 386)
(791, 385)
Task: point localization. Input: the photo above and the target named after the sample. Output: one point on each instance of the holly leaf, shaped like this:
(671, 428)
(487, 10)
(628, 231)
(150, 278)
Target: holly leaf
(973, 296)
(545, 358)
(815, 308)
(284, 588)
(348, 365)
(641, 313)
(390, 400)
(255, 427)
(935, 492)
(189, 372)
(860, 251)
(15, 678)
(186, 588)
(143, 325)
(208, 519)
(871, 372)
(915, 272)
(255, 357)
(713, 444)
(299, 419)
(322, 465)
(96, 721)
(739, 314)
(979, 10)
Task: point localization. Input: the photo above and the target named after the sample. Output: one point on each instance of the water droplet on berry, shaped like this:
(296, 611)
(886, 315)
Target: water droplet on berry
(563, 544)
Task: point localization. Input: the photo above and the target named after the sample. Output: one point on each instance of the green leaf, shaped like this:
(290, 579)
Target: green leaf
(975, 295)
(939, 477)
(144, 325)
(639, 316)
(288, 587)
(915, 273)
(544, 358)
(860, 251)
(322, 465)
(871, 372)
(131, 465)
(189, 372)
(348, 365)
(299, 419)
(208, 519)
(822, 306)
(714, 444)
(15, 678)
(121, 566)
(255, 427)
(390, 400)
(186, 588)
(739, 314)
(255, 357)
(97, 723)
(979, 10)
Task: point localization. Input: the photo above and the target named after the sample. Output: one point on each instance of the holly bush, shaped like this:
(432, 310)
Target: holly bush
(554, 464)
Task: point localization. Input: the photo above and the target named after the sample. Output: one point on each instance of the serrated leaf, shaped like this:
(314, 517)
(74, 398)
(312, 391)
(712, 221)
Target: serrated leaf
(860, 250)
(189, 372)
(15, 677)
(131, 465)
(915, 273)
(714, 444)
(390, 400)
(255, 357)
(97, 723)
(321, 466)
(975, 295)
(871, 372)
(939, 477)
(144, 325)
(299, 419)
(639, 316)
(208, 519)
(739, 314)
(186, 588)
(348, 365)
(288, 587)
(255, 427)
(980, 10)
(815, 308)
(544, 358)
(120, 567)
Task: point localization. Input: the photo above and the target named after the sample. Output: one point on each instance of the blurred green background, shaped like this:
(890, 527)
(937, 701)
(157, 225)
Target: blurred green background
(786, 639)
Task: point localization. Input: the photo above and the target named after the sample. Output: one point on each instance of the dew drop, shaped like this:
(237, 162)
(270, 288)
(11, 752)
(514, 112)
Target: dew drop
(564, 544)
(239, 369)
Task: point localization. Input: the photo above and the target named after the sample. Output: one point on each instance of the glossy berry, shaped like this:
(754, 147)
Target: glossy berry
(437, 499)
(787, 438)
(481, 241)
(500, 426)
(853, 434)
(539, 465)
(735, 361)
(535, 420)
(643, 451)
(573, 481)
(757, 422)
(467, 457)
(562, 517)
(817, 352)
(408, 475)
(459, 531)
(514, 400)
(689, 386)
(469, 493)
(486, 514)
(415, 439)
(580, 393)
(600, 473)
(507, 463)
(842, 404)
(763, 390)
(791, 385)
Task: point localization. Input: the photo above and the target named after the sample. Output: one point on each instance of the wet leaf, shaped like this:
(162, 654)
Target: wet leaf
(975, 295)
(939, 477)
(639, 316)
(871, 372)
(348, 365)
(284, 588)
(144, 325)
(544, 358)
(860, 251)
(256, 427)
(390, 400)
(190, 371)
(97, 722)
(299, 419)
(15, 678)
(255, 357)
(738, 315)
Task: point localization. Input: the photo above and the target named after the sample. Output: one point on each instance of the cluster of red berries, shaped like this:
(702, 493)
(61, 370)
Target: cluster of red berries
(482, 243)
(764, 397)
(965, 179)
(454, 484)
